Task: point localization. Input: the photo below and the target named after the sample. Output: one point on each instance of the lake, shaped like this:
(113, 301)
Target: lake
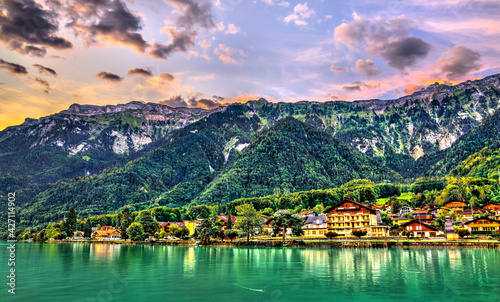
(98, 272)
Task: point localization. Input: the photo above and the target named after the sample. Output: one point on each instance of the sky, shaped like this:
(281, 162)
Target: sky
(208, 53)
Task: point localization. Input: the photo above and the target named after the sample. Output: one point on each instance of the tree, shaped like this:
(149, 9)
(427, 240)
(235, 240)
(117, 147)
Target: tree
(135, 231)
(462, 232)
(231, 234)
(87, 229)
(148, 224)
(206, 230)
(359, 233)
(396, 205)
(71, 222)
(125, 222)
(181, 232)
(287, 220)
(249, 221)
(173, 229)
(229, 221)
(331, 235)
(386, 219)
(163, 234)
(407, 233)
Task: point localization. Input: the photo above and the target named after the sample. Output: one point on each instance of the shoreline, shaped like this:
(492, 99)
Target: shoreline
(310, 244)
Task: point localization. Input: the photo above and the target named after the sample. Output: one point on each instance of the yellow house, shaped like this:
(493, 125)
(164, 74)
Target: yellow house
(191, 225)
(483, 226)
(109, 234)
(315, 226)
(349, 215)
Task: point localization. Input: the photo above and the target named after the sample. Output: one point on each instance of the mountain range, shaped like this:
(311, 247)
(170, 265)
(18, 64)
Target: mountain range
(99, 159)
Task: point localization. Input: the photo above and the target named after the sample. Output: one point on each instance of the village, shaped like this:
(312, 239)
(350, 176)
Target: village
(345, 220)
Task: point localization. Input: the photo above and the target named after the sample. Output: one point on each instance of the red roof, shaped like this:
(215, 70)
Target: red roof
(425, 226)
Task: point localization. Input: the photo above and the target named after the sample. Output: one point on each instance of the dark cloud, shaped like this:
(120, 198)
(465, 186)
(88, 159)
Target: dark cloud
(218, 98)
(338, 69)
(180, 42)
(367, 68)
(42, 82)
(194, 15)
(46, 70)
(28, 49)
(208, 103)
(107, 76)
(359, 85)
(405, 52)
(458, 62)
(388, 38)
(140, 72)
(25, 26)
(13, 68)
(166, 76)
(175, 101)
(106, 20)
(179, 101)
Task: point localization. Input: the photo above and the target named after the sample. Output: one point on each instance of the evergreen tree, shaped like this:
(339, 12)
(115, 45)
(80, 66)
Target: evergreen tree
(149, 226)
(87, 229)
(249, 221)
(71, 222)
(125, 222)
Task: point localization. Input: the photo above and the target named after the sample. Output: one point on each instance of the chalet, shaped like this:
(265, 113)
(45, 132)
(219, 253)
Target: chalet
(455, 205)
(316, 226)
(405, 210)
(349, 215)
(495, 208)
(420, 229)
(191, 225)
(419, 213)
(483, 225)
(107, 227)
(467, 214)
(164, 226)
(109, 234)
(380, 231)
(429, 219)
(224, 220)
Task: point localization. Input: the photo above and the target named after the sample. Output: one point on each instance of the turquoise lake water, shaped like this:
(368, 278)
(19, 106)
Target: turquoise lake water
(84, 272)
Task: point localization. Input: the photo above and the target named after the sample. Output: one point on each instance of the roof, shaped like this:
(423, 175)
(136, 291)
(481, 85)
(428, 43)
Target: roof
(426, 217)
(179, 224)
(279, 212)
(420, 212)
(421, 223)
(482, 218)
(311, 219)
(401, 218)
(306, 212)
(162, 223)
(457, 201)
(329, 209)
(224, 218)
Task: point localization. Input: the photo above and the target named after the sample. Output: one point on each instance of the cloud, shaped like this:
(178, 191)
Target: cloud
(411, 88)
(226, 53)
(388, 38)
(458, 61)
(166, 76)
(405, 52)
(26, 25)
(193, 15)
(42, 82)
(276, 2)
(28, 49)
(175, 101)
(140, 72)
(46, 70)
(358, 86)
(301, 12)
(106, 21)
(180, 42)
(107, 76)
(232, 29)
(13, 68)
(338, 69)
(367, 68)
(193, 102)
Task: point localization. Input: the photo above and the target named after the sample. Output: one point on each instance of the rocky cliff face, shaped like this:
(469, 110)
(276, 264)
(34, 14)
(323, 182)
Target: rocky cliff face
(121, 129)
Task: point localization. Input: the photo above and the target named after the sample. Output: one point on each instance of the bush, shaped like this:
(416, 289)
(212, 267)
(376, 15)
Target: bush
(138, 238)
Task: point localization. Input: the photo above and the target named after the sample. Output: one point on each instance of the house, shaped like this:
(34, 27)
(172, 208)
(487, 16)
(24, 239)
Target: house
(455, 205)
(304, 214)
(419, 213)
(224, 220)
(429, 219)
(420, 229)
(380, 231)
(279, 212)
(191, 225)
(107, 227)
(450, 232)
(109, 234)
(315, 226)
(349, 215)
(164, 226)
(468, 214)
(483, 226)
(493, 208)
(268, 226)
(405, 210)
